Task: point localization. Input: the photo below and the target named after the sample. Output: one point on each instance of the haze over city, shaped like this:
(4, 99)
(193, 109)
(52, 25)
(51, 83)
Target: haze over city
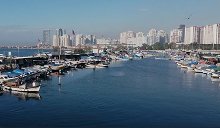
(23, 22)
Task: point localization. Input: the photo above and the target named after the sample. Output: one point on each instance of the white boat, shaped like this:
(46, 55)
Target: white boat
(205, 72)
(2, 57)
(190, 68)
(198, 70)
(121, 59)
(56, 67)
(183, 66)
(102, 65)
(215, 75)
(12, 86)
(5, 78)
(161, 58)
(178, 64)
(92, 66)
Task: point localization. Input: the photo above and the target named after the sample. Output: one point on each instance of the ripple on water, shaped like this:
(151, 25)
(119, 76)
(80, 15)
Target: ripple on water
(117, 73)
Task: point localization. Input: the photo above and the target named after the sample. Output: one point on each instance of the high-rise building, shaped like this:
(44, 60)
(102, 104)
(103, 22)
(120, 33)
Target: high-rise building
(47, 37)
(216, 33)
(162, 36)
(85, 40)
(201, 35)
(181, 28)
(93, 39)
(126, 36)
(210, 34)
(140, 39)
(80, 39)
(56, 40)
(90, 39)
(123, 38)
(103, 41)
(133, 39)
(60, 32)
(152, 36)
(65, 40)
(176, 36)
(192, 35)
(61, 39)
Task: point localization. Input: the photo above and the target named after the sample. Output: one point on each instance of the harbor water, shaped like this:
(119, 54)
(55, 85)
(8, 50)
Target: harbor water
(138, 93)
(22, 52)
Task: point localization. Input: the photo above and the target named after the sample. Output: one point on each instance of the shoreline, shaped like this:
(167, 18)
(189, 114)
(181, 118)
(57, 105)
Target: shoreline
(29, 48)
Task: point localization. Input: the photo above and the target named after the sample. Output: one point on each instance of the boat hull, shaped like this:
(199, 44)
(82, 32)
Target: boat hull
(21, 88)
(33, 89)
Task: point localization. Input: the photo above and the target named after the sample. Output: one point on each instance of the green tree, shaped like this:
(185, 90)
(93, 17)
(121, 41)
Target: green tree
(158, 46)
(87, 49)
(144, 47)
(172, 45)
(121, 47)
(79, 51)
(56, 48)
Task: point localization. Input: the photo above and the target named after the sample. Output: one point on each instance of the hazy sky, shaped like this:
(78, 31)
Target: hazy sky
(24, 20)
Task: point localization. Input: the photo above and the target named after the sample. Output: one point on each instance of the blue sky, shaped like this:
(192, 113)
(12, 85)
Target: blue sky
(24, 20)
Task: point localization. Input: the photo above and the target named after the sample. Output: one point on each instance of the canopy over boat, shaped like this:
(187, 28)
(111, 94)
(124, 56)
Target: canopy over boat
(12, 74)
(217, 69)
(18, 71)
(212, 66)
(193, 63)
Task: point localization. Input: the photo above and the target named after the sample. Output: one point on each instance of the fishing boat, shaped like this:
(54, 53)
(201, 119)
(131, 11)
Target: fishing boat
(197, 70)
(190, 68)
(56, 67)
(90, 66)
(215, 75)
(183, 66)
(102, 65)
(97, 63)
(25, 87)
(6, 78)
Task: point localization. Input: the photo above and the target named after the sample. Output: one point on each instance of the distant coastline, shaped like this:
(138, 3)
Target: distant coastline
(25, 48)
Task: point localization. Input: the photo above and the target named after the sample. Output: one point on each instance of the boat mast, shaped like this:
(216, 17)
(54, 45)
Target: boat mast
(60, 53)
(18, 51)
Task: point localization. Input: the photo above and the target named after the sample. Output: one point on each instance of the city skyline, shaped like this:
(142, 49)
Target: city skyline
(25, 21)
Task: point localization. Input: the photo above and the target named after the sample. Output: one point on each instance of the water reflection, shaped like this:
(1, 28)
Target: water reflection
(22, 95)
(59, 83)
(117, 73)
(198, 75)
(215, 80)
(1, 93)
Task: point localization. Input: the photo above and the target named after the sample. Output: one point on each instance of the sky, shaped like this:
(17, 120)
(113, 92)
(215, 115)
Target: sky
(22, 21)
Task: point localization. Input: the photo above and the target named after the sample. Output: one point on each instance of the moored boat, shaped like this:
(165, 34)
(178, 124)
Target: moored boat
(6, 78)
(13, 86)
(215, 75)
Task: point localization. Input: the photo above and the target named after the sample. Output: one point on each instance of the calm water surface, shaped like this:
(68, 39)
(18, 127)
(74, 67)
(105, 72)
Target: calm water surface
(143, 93)
(22, 52)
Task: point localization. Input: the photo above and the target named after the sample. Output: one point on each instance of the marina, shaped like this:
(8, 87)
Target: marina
(110, 64)
(23, 74)
(126, 93)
